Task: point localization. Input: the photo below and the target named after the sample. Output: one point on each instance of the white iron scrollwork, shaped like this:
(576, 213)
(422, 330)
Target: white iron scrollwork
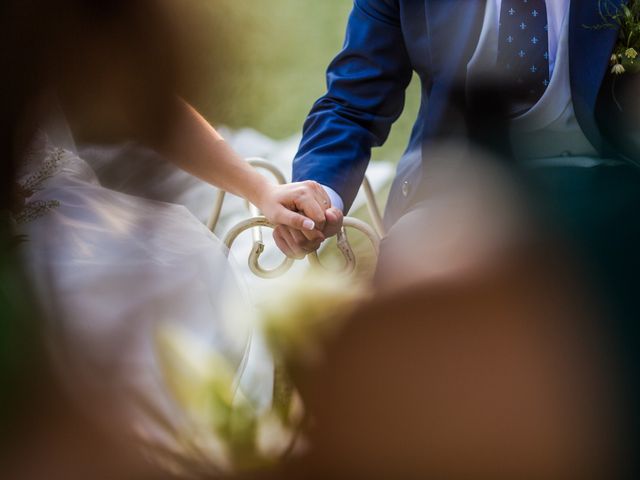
(256, 222)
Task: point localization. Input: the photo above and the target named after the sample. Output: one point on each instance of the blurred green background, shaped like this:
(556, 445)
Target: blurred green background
(261, 64)
(272, 66)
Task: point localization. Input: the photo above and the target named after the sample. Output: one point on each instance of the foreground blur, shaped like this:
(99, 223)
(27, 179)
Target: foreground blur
(483, 350)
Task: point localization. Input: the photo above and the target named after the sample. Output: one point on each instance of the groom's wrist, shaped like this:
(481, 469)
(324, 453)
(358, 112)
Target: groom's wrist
(336, 200)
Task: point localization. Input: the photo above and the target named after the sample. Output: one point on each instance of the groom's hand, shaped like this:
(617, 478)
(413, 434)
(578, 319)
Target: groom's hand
(297, 244)
(299, 209)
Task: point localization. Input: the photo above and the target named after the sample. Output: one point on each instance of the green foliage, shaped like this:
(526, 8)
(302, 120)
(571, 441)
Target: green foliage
(271, 67)
(626, 19)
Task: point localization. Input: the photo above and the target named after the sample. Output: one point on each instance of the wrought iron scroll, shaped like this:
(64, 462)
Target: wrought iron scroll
(256, 222)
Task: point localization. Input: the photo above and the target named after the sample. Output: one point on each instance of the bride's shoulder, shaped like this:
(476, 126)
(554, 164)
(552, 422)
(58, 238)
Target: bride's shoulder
(50, 147)
(42, 159)
(47, 163)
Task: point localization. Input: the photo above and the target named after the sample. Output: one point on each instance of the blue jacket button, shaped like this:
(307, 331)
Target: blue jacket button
(405, 188)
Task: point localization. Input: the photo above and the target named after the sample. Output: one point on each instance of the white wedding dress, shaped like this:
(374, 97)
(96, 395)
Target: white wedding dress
(112, 269)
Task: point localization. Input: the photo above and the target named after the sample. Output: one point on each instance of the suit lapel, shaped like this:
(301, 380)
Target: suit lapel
(453, 28)
(589, 54)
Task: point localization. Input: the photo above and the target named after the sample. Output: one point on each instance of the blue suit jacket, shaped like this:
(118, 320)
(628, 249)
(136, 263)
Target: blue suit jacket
(386, 41)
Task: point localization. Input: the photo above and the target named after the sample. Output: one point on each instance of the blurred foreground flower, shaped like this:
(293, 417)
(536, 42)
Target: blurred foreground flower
(201, 381)
(301, 312)
(225, 430)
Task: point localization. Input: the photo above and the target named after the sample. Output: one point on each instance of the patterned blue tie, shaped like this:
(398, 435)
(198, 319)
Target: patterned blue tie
(523, 51)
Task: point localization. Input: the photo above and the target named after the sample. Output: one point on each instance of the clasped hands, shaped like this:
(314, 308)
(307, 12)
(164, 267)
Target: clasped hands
(303, 214)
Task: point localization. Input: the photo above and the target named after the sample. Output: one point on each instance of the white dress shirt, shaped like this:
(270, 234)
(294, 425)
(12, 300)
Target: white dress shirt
(336, 200)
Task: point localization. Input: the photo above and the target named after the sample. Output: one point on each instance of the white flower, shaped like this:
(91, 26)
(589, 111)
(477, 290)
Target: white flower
(302, 312)
(617, 69)
(614, 59)
(631, 53)
(272, 436)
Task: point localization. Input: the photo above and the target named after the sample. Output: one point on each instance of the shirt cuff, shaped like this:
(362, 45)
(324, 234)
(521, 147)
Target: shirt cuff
(336, 201)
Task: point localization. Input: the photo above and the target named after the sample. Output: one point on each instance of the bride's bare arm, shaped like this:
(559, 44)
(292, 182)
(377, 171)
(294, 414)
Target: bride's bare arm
(196, 147)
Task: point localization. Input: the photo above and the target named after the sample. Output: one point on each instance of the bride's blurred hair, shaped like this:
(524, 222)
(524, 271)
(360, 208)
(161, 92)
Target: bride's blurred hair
(115, 66)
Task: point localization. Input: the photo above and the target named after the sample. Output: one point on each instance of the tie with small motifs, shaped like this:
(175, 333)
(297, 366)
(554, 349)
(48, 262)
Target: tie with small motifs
(523, 51)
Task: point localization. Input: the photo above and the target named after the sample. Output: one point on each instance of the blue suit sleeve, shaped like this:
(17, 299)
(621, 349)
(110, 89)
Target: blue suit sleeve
(366, 86)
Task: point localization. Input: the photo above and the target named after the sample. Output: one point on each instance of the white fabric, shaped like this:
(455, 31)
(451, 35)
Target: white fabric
(550, 128)
(111, 268)
(135, 170)
(336, 200)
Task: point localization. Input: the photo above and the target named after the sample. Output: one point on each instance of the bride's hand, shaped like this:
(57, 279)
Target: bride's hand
(300, 206)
